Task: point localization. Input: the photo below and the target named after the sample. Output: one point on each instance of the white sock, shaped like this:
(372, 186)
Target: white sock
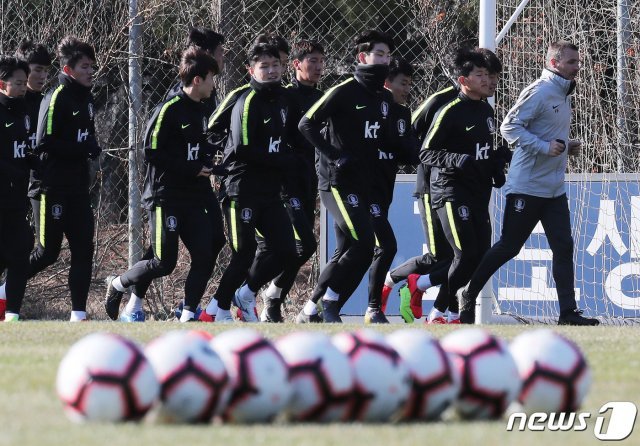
(222, 314)
(310, 308)
(424, 282)
(134, 304)
(3, 291)
(212, 308)
(187, 316)
(117, 284)
(435, 313)
(273, 292)
(388, 281)
(77, 316)
(453, 316)
(330, 295)
(246, 293)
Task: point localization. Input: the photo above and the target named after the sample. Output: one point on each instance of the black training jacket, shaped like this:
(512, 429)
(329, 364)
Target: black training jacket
(209, 104)
(220, 120)
(462, 131)
(176, 149)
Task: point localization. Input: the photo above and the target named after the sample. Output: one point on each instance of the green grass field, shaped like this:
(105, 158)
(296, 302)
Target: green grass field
(31, 414)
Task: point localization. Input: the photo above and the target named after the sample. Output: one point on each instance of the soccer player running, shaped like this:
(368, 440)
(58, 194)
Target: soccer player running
(402, 148)
(459, 148)
(301, 188)
(59, 190)
(15, 158)
(177, 192)
(38, 59)
(538, 126)
(257, 157)
(356, 114)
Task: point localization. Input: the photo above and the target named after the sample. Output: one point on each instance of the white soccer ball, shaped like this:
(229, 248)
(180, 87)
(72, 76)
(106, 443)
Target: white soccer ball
(194, 382)
(320, 376)
(555, 375)
(489, 376)
(382, 379)
(435, 383)
(105, 377)
(261, 388)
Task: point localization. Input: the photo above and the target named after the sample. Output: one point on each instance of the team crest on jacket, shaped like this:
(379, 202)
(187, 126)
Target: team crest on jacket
(464, 213)
(402, 127)
(353, 201)
(27, 123)
(283, 115)
(90, 110)
(519, 204)
(294, 203)
(384, 108)
(172, 223)
(245, 215)
(56, 211)
(491, 125)
(375, 210)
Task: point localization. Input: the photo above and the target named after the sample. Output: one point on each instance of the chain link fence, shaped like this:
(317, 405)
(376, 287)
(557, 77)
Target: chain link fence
(425, 32)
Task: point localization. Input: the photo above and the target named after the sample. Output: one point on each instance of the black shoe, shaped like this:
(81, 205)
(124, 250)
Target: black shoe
(113, 299)
(375, 316)
(271, 312)
(303, 318)
(574, 317)
(331, 311)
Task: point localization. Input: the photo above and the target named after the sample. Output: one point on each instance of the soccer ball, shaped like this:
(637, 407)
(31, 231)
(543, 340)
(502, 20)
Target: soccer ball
(320, 376)
(105, 377)
(434, 381)
(194, 382)
(489, 376)
(382, 379)
(260, 389)
(555, 375)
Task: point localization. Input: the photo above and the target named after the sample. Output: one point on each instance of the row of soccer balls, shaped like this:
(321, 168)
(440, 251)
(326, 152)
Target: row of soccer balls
(239, 376)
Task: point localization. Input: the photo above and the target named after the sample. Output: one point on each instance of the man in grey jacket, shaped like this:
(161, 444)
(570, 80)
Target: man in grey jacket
(537, 127)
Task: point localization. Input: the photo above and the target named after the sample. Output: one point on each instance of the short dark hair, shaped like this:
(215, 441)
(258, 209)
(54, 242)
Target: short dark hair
(33, 53)
(303, 48)
(275, 40)
(9, 65)
(366, 40)
(556, 50)
(72, 49)
(493, 63)
(465, 60)
(262, 49)
(397, 66)
(205, 39)
(196, 62)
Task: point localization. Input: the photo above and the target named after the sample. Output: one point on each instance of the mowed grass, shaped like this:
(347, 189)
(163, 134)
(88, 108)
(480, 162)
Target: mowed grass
(30, 413)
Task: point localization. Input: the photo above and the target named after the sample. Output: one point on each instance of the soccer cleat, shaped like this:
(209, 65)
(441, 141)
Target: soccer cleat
(405, 304)
(331, 311)
(416, 295)
(375, 316)
(112, 300)
(303, 318)
(246, 307)
(136, 316)
(386, 291)
(454, 321)
(226, 319)
(10, 317)
(206, 317)
(575, 317)
(3, 308)
(436, 321)
(178, 311)
(271, 312)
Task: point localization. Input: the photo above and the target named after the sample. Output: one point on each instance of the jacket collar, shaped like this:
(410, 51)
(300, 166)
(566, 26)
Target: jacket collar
(73, 86)
(563, 84)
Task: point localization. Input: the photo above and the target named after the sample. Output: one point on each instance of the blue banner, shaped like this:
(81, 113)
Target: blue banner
(605, 213)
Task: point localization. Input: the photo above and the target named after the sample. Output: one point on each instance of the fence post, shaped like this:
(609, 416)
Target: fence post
(135, 108)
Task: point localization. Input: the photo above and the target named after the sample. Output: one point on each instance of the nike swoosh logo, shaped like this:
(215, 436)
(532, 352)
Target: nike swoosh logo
(469, 128)
(556, 106)
(360, 107)
(76, 112)
(8, 124)
(185, 126)
(267, 120)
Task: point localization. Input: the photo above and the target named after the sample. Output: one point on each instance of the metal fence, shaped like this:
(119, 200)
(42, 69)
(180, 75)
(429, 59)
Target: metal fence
(138, 44)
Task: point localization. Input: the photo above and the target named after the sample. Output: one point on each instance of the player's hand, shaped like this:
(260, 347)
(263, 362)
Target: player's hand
(575, 147)
(204, 172)
(556, 147)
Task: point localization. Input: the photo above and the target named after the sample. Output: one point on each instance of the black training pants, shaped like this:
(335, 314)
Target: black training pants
(15, 244)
